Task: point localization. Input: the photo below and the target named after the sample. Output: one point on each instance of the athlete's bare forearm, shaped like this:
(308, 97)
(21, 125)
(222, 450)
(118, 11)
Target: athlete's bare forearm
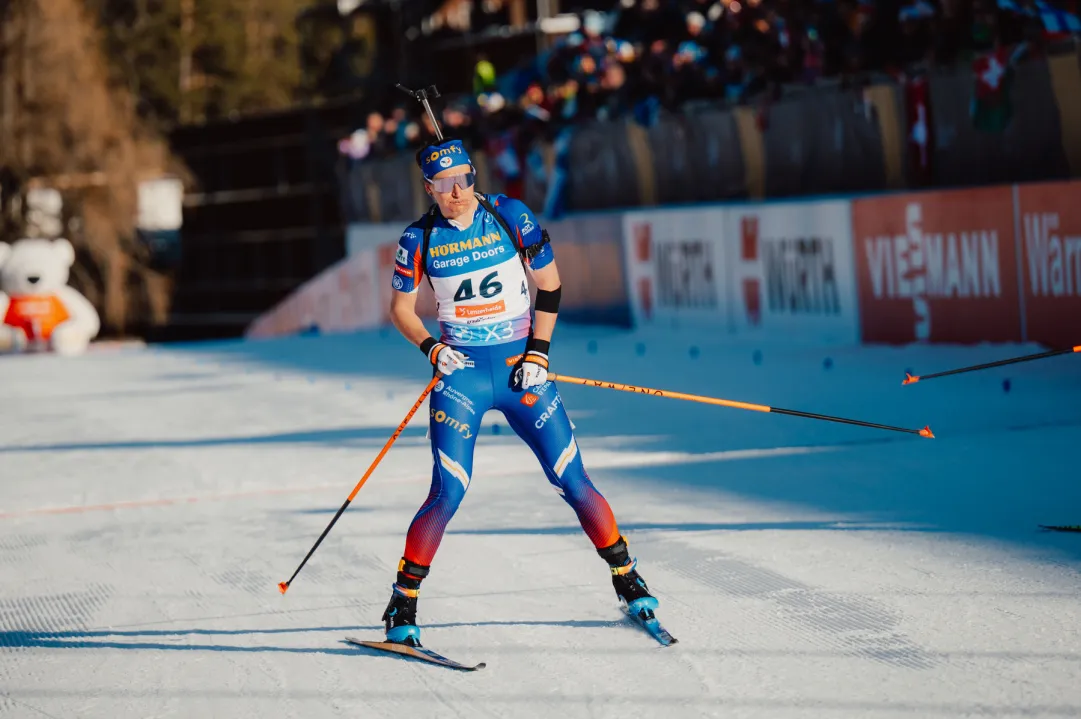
(403, 315)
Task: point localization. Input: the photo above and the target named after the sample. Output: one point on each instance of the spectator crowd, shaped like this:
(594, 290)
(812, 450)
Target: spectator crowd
(636, 58)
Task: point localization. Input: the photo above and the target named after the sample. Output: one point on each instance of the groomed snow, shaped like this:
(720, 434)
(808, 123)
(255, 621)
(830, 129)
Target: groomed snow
(151, 500)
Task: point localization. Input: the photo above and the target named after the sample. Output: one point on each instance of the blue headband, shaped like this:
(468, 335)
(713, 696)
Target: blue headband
(436, 158)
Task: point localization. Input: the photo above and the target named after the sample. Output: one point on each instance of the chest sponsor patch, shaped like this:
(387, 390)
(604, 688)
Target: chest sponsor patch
(470, 311)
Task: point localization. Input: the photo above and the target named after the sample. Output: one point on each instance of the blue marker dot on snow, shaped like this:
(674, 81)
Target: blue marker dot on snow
(757, 357)
(495, 429)
(1006, 385)
(694, 352)
(827, 363)
(591, 348)
(348, 386)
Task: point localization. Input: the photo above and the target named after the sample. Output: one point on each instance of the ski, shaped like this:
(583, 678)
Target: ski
(648, 621)
(1062, 527)
(421, 653)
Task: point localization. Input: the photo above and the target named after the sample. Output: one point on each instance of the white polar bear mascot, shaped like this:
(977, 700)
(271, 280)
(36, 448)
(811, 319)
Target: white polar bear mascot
(38, 310)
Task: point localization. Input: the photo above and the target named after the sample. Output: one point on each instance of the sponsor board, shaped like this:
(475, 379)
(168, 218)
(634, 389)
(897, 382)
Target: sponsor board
(792, 274)
(674, 263)
(1049, 226)
(937, 267)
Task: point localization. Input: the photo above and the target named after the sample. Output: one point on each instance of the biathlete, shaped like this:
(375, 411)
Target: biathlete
(474, 250)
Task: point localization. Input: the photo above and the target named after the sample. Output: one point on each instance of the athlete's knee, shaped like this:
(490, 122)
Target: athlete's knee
(453, 478)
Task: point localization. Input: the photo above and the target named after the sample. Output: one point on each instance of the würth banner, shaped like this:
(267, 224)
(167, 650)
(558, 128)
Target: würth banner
(938, 267)
(1050, 222)
(791, 270)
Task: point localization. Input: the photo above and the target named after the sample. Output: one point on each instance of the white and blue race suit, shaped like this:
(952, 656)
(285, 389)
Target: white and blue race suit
(483, 302)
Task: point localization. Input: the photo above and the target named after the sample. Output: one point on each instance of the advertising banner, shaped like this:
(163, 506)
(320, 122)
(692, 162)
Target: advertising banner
(341, 298)
(1049, 217)
(675, 269)
(792, 274)
(937, 267)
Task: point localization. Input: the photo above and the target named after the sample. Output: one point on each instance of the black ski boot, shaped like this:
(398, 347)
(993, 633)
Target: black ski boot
(630, 587)
(401, 613)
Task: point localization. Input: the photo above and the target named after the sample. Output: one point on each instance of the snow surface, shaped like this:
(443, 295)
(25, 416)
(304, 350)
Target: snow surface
(151, 500)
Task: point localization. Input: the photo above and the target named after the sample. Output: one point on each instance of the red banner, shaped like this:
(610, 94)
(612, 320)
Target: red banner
(1050, 225)
(937, 267)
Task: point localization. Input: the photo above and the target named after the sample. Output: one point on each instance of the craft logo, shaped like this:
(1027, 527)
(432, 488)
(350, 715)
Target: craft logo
(1054, 260)
(529, 399)
(548, 412)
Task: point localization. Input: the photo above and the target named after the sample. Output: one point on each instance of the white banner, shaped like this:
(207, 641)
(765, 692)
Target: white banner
(360, 236)
(792, 272)
(764, 272)
(674, 261)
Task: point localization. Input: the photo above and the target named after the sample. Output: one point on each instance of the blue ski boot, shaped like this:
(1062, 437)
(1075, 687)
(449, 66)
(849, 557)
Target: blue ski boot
(401, 613)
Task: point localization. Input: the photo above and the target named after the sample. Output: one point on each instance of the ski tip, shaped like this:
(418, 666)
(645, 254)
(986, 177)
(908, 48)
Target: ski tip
(910, 378)
(926, 432)
(283, 587)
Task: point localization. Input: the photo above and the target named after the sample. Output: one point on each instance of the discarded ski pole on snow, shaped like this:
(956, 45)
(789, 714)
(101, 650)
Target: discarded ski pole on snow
(913, 379)
(925, 432)
(284, 586)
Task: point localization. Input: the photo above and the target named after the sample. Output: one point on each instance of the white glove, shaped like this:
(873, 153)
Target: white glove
(446, 359)
(534, 369)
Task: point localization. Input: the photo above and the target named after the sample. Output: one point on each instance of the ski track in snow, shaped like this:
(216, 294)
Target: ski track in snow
(151, 499)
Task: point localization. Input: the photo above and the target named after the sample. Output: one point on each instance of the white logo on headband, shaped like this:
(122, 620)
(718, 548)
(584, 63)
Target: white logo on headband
(445, 161)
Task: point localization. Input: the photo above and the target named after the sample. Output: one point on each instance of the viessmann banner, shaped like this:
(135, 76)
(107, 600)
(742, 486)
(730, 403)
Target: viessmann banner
(938, 267)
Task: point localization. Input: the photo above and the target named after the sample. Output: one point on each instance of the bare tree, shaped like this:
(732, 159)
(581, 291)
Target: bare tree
(65, 125)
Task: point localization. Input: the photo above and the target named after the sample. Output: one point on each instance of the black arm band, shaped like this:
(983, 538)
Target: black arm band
(535, 345)
(548, 300)
(426, 345)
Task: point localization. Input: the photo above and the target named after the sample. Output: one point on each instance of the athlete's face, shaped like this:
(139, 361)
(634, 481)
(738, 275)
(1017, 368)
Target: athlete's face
(458, 200)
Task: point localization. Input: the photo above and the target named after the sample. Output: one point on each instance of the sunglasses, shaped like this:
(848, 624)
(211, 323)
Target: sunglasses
(446, 184)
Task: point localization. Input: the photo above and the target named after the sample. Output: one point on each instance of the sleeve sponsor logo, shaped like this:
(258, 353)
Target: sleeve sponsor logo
(403, 271)
(527, 225)
(397, 283)
(402, 255)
